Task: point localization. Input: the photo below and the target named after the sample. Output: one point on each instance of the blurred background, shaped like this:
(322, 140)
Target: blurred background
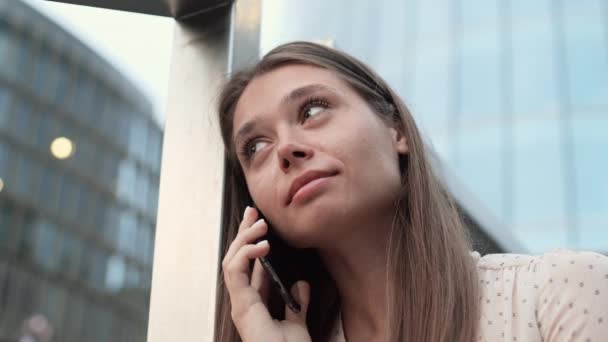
(80, 151)
(512, 95)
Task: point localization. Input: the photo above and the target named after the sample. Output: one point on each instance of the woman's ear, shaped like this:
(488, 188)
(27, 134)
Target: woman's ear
(399, 141)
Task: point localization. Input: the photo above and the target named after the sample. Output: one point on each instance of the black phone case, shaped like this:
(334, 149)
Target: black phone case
(277, 269)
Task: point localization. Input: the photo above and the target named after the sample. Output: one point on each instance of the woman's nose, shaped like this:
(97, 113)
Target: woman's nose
(290, 155)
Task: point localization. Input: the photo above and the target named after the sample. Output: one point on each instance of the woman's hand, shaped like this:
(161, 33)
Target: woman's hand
(249, 297)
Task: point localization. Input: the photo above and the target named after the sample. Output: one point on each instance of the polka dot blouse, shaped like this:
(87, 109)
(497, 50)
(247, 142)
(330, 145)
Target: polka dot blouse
(558, 296)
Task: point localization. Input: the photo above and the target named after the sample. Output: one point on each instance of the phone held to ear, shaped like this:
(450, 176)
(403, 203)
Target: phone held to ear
(278, 284)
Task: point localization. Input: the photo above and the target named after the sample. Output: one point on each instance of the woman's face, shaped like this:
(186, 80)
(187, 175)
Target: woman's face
(318, 161)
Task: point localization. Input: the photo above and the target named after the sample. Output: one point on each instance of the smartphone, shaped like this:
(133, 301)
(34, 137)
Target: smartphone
(279, 285)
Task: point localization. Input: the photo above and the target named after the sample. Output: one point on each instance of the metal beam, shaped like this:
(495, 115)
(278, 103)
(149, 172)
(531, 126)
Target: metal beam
(206, 47)
(178, 9)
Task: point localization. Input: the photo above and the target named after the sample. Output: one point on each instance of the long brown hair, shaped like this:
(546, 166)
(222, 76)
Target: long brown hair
(432, 284)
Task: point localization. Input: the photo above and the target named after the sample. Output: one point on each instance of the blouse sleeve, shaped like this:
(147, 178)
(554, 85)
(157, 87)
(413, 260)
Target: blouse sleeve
(573, 302)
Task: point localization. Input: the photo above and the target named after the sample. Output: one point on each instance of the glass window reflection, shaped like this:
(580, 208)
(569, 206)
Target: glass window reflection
(539, 196)
(69, 255)
(591, 161)
(127, 232)
(126, 179)
(480, 166)
(6, 98)
(586, 46)
(46, 245)
(534, 61)
(7, 212)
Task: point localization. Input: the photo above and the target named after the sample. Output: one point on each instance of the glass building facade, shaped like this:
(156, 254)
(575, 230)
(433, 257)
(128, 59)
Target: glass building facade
(512, 96)
(79, 173)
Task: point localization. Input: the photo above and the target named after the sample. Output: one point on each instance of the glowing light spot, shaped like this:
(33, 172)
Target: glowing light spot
(62, 148)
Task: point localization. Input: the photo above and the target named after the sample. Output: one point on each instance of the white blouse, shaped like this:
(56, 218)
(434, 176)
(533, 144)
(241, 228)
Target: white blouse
(559, 296)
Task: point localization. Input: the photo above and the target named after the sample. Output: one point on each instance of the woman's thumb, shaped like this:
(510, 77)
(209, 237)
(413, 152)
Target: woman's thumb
(301, 293)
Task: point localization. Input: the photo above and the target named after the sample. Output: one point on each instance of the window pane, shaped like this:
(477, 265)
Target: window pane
(127, 232)
(479, 61)
(480, 167)
(137, 137)
(28, 178)
(48, 196)
(539, 198)
(53, 306)
(141, 189)
(7, 212)
(126, 179)
(70, 252)
(69, 197)
(98, 212)
(112, 221)
(534, 80)
(5, 48)
(47, 75)
(24, 54)
(97, 276)
(45, 245)
(7, 163)
(6, 99)
(74, 319)
(24, 175)
(153, 200)
(116, 273)
(23, 120)
(133, 280)
(86, 207)
(26, 236)
(429, 93)
(64, 83)
(47, 131)
(587, 58)
(42, 75)
(9, 52)
(591, 163)
(3, 283)
(143, 240)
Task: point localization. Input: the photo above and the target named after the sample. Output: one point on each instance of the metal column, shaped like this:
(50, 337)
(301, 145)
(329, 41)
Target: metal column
(206, 47)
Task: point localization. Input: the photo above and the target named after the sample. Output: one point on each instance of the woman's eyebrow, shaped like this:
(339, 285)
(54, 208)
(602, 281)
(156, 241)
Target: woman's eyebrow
(245, 129)
(304, 91)
(293, 96)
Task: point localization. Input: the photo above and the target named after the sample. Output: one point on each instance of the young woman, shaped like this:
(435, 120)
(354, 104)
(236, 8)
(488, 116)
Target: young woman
(363, 228)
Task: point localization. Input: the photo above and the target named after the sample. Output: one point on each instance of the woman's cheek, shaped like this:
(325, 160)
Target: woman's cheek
(263, 191)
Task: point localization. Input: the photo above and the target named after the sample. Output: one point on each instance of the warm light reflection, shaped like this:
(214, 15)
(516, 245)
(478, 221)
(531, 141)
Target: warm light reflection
(1, 184)
(327, 42)
(62, 148)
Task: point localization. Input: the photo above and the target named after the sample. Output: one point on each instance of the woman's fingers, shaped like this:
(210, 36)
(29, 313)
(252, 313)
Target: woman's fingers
(301, 293)
(247, 236)
(261, 281)
(249, 291)
(236, 270)
(249, 231)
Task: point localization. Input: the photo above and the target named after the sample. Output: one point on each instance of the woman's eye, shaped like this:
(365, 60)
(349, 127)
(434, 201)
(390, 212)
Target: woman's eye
(312, 108)
(255, 147)
(312, 111)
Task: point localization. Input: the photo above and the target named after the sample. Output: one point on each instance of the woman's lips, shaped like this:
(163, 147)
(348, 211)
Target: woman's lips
(310, 189)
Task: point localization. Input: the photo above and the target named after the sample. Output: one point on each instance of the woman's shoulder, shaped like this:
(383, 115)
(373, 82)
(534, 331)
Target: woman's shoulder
(557, 273)
(562, 293)
(556, 260)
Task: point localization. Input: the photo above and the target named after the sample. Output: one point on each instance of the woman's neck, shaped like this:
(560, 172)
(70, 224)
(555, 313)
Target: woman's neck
(358, 265)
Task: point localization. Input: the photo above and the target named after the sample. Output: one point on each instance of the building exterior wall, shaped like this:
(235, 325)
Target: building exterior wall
(512, 95)
(76, 234)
